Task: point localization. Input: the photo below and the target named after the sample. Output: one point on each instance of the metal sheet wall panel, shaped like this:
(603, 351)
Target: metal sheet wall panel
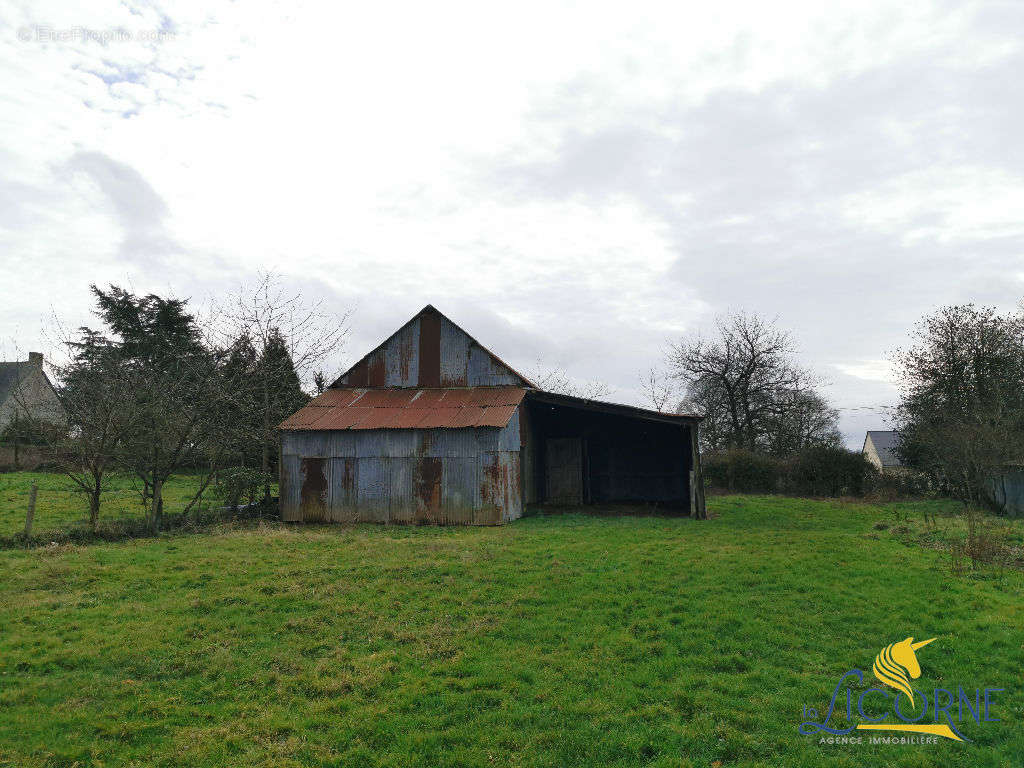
(451, 442)
(403, 506)
(486, 438)
(315, 472)
(371, 444)
(290, 443)
(402, 357)
(511, 471)
(312, 443)
(401, 443)
(291, 483)
(341, 443)
(343, 497)
(509, 436)
(373, 477)
(430, 350)
(427, 485)
(460, 489)
(484, 371)
(454, 355)
(489, 510)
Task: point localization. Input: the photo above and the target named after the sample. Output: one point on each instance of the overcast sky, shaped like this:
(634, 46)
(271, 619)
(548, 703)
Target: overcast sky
(575, 183)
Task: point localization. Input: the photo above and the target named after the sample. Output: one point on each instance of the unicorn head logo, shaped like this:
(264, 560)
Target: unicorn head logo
(897, 665)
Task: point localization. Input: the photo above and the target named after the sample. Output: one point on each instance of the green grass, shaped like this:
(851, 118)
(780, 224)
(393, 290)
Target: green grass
(59, 507)
(559, 640)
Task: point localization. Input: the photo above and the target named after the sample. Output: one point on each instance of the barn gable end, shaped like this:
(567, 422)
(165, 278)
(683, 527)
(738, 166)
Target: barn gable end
(430, 351)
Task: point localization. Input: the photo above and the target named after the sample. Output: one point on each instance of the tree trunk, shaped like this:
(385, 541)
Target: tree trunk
(94, 504)
(158, 505)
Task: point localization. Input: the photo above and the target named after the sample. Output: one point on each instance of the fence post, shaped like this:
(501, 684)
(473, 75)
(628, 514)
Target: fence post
(157, 488)
(30, 515)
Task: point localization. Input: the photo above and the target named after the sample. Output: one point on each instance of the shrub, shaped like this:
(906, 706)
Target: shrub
(740, 471)
(829, 471)
(237, 483)
(814, 471)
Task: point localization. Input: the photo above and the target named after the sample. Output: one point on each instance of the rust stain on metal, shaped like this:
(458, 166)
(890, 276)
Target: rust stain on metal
(404, 358)
(376, 370)
(426, 483)
(408, 409)
(357, 375)
(313, 495)
(430, 350)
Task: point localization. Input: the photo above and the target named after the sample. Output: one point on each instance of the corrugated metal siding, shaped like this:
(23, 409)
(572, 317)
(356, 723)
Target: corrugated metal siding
(343, 498)
(402, 356)
(403, 476)
(290, 483)
(430, 351)
(373, 476)
(454, 355)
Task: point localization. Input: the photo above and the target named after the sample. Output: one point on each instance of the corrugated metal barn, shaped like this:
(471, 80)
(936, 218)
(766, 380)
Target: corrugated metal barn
(431, 427)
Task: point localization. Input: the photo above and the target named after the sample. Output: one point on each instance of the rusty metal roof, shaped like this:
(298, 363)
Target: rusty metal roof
(452, 408)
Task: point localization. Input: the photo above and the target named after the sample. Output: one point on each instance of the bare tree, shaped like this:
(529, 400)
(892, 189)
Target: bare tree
(292, 339)
(94, 388)
(558, 381)
(745, 381)
(660, 390)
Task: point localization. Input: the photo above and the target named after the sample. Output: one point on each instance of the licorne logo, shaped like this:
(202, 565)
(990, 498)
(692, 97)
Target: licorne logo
(896, 666)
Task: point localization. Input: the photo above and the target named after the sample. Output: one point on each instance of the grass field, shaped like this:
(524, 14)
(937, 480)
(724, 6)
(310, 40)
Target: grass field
(559, 640)
(59, 506)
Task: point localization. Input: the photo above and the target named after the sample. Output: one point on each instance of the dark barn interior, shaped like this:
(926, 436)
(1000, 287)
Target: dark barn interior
(582, 451)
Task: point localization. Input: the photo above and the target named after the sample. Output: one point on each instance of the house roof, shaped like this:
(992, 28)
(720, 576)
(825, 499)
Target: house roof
(885, 442)
(11, 374)
(447, 407)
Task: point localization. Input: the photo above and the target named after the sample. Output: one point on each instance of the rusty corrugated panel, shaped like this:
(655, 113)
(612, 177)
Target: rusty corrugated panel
(339, 418)
(384, 418)
(489, 510)
(495, 416)
(336, 397)
(484, 396)
(383, 398)
(427, 398)
(313, 496)
(376, 371)
(426, 482)
(409, 409)
(430, 350)
(435, 418)
(356, 377)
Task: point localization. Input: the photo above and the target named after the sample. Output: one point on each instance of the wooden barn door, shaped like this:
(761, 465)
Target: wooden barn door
(564, 464)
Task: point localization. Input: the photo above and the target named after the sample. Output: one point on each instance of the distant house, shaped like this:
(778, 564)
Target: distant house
(26, 391)
(880, 450)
